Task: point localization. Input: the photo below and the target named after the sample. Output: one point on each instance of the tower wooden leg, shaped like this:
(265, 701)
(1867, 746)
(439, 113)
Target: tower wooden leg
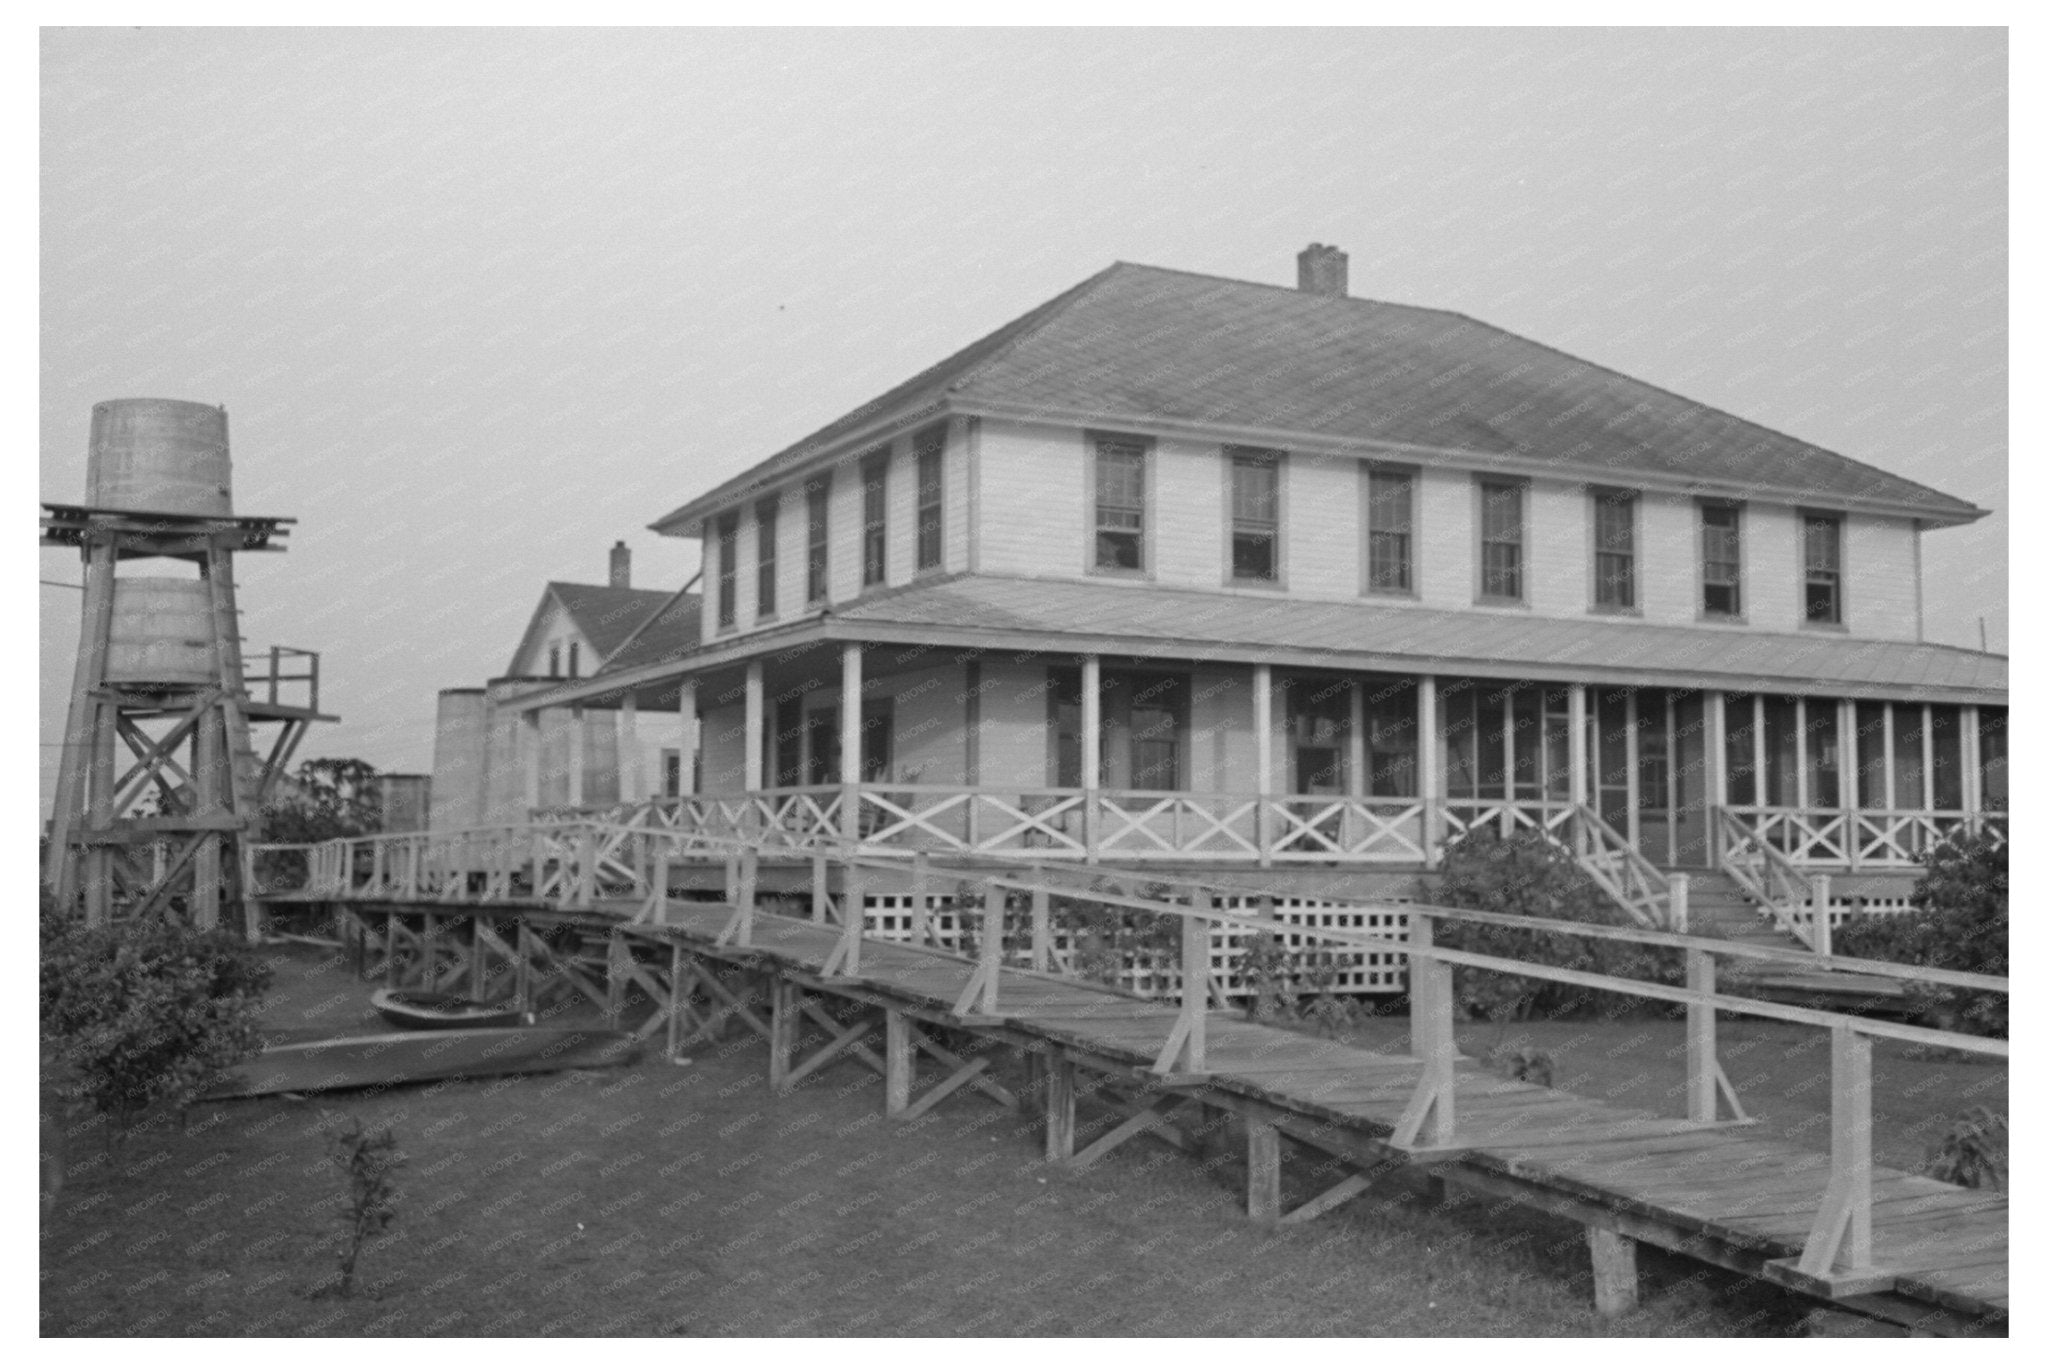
(900, 1061)
(784, 1012)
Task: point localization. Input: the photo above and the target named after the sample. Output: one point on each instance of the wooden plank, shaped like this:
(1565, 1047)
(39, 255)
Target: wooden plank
(1338, 1194)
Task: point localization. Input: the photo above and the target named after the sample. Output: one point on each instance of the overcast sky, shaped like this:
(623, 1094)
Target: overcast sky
(481, 302)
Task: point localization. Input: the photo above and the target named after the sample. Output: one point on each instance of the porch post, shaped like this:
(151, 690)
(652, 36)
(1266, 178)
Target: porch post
(1633, 831)
(576, 757)
(1802, 794)
(1849, 778)
(1262, 724)
(1715, 712)
(754, 726)
(529, 735)
(850, 743)
(1575, 719)
(1891, 776)
(1091, 752)
(1428, 781)
(1926, 756)
(631, 787)
(686, 759)
(1756, 748)
(1973, 769)
(1354, 757)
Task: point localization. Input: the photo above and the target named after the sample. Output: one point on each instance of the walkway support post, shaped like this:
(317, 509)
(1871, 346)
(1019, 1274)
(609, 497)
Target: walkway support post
(1823, 900)
(1430, 1119)
(1841, 1230)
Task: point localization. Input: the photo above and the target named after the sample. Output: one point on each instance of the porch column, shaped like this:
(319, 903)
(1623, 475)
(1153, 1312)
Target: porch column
(1428, 780)
(849, 740)
(1926, 756)
(1973, 768)
(1756, 748)
(631, 785)
(1262, 725)
(1354, 764)
(754, 726)
(1891, 776)
(1575, 720)
(1714, 709)
(1633, 825)
(1801, 795)
(686, 758)
(529, 743)
(1849, 778)
(576, 757)
(1091, 752)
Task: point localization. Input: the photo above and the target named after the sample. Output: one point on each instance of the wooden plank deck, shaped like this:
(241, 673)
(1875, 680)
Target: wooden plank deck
(1728, 1194)
(1753, 1196)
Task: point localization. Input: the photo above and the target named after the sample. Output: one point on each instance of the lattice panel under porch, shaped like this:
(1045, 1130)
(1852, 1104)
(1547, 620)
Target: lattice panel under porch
(1361, 971)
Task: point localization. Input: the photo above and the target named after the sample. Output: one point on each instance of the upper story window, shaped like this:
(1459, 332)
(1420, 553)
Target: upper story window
(728, 570)
(1720, 559)
(1823, 558)
(1390, 531)
(874, 532)
(1254, 515)
(554, 660)
(817, 504)
(1614, 550)
(575, 658)
(1500, 541)
(930, 445)
(766, 513)
(1119, 505)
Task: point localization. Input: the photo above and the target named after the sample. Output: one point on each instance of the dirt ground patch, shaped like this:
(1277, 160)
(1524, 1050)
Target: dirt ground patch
(656, 1199)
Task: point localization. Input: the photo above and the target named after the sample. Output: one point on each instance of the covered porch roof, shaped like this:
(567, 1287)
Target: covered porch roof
(1145, 620)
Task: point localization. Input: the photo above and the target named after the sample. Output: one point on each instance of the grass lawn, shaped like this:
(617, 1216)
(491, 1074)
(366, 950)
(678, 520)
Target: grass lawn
(655, 1199)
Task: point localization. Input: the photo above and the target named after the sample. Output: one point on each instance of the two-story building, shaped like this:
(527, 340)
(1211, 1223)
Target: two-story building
(1192, 571)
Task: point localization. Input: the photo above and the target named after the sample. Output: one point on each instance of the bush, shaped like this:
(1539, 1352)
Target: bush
(1527, 874)
(1958, 923)
(1972, 1152)
(142, 1014)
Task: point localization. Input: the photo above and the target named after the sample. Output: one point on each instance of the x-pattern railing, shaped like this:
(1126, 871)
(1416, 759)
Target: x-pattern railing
(1322, 827)
(1141, 824)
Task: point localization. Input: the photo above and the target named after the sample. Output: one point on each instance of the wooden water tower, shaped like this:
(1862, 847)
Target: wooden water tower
(160, 786)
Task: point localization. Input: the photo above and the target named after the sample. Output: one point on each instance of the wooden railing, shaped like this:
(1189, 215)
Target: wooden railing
(1860, 839)
(626, 868)
(1781, 888)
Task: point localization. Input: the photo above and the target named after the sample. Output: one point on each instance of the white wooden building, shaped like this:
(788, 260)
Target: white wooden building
(1184, 570)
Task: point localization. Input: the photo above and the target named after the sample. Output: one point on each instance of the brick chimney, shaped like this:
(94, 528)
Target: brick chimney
(1324, 270)
(622, 565)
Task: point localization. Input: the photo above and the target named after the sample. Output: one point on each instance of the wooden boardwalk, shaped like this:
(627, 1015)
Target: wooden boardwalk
(1828, 1223)
(1724, 1194)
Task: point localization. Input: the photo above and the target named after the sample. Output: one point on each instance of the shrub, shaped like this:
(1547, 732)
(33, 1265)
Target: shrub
(1528, 875)
(1958, 923)
(369, 1161)
(141, 1014)
(1972, 1152)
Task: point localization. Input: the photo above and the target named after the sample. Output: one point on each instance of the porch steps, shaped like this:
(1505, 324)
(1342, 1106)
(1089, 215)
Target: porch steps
(1718, 908)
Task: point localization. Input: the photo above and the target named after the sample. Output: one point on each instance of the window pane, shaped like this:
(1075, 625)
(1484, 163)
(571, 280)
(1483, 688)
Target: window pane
(1823, 549)
(1614, 556)
(875, 519)
(931, 450)
(1721, 560)
(1119, 505)
(765, 516)
(1390, 512)
(818, 499)
(728, 568)
(1991, 754)
(1500, 546)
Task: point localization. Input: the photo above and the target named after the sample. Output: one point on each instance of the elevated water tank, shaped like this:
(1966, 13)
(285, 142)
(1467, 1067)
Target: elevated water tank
(162, 631)
(159, 455)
